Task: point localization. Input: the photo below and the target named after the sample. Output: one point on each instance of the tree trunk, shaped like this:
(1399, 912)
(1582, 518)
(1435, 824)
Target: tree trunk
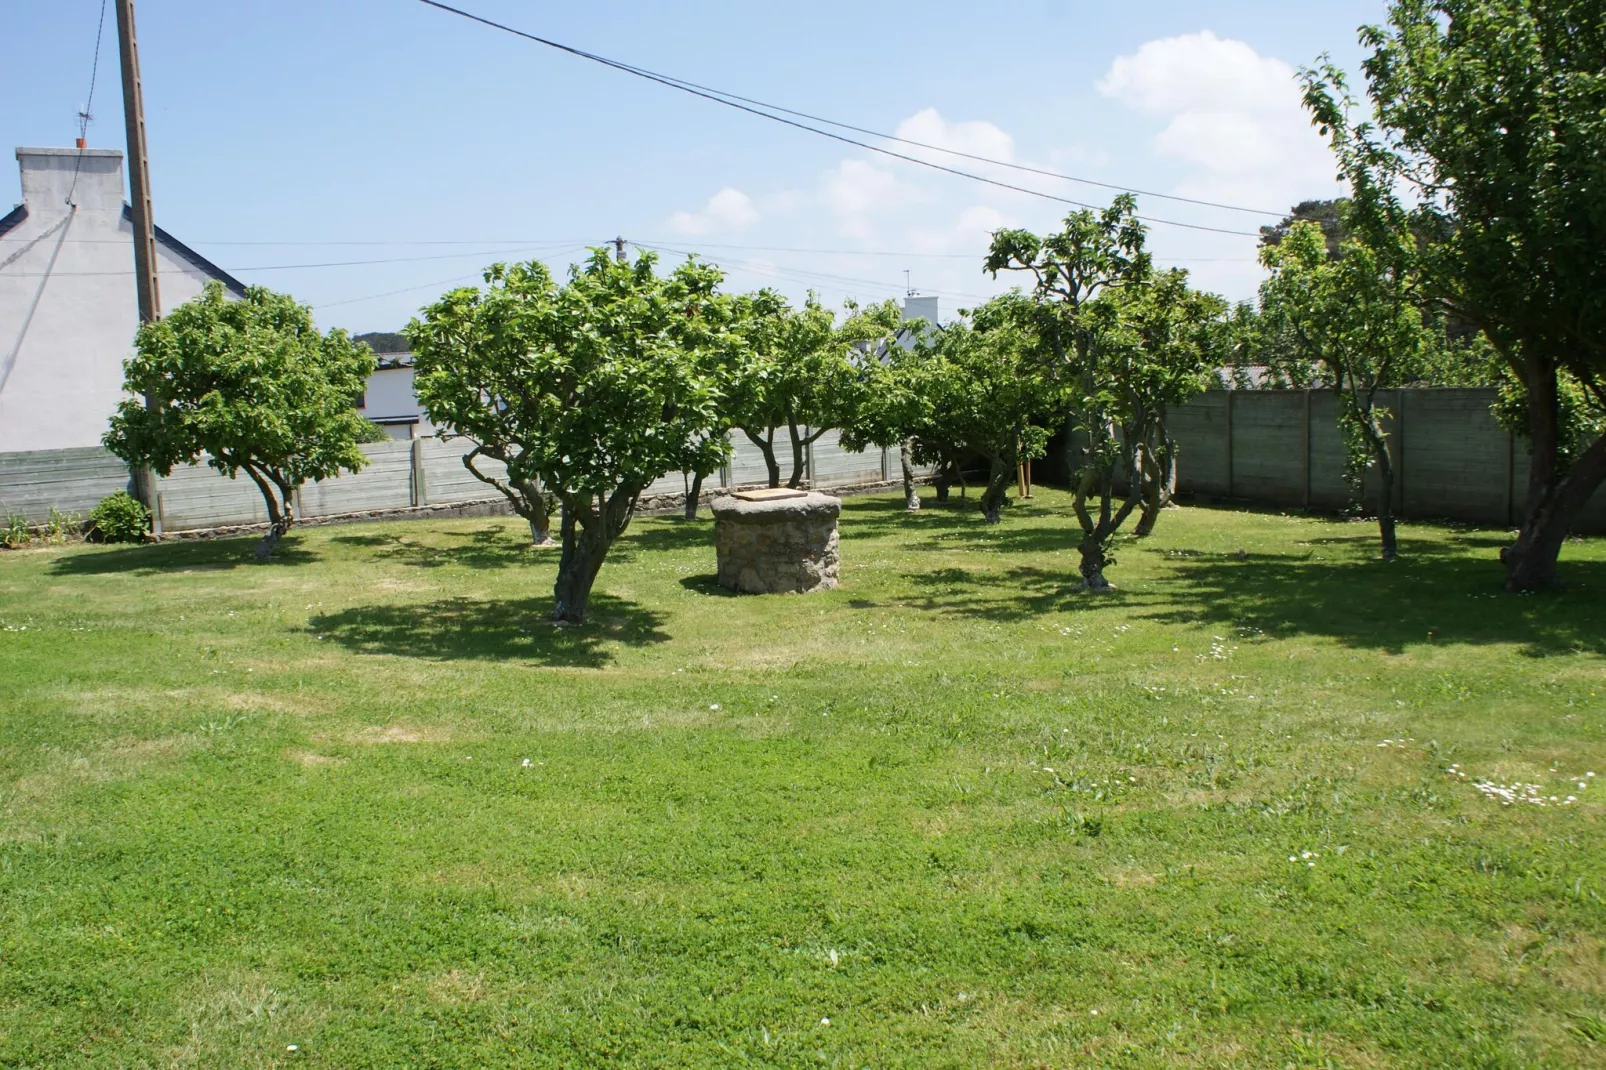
(1153, 493)
(1094, 559)
(1385, 503)
(1531, 560)
(583, 553)
(993, 498)
(280, 517)
(766, 446)
(800, 458)
(530, 503)
(694, 496)
(911, 496)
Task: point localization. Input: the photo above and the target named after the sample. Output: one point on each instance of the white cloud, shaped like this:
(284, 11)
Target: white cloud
(978, 138)
(856, 187)
(728, 210)
(1233, 115)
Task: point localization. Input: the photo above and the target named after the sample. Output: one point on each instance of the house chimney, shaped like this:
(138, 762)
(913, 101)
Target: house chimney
(92, 177)
(920, 308)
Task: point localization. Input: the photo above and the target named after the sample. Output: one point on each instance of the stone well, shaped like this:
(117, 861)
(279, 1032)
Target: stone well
(777, 540)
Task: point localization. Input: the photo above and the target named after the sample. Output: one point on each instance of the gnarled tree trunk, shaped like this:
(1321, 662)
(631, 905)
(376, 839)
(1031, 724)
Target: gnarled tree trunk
(800, 456)
(911, 496)
(1554, 496)
(590, 525)
(281, 509)
(694, 496)
(993, 498)
(1160, 483)
(766, 447)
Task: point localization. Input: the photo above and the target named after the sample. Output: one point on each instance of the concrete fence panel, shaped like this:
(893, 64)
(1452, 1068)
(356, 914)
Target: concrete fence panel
(834, 466)
(197, 496)
(1280, 448)
(385, 483)
(73, 481)
(446, 481)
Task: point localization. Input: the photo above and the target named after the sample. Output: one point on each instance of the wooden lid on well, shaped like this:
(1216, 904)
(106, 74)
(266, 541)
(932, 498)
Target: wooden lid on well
(769, 494)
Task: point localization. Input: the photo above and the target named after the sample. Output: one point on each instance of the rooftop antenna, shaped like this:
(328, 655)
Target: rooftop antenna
(908, 286)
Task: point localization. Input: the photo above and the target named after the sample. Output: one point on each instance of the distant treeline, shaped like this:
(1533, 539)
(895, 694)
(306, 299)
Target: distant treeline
(385, 342)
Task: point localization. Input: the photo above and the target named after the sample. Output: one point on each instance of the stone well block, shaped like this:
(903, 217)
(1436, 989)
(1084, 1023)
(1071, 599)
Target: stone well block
(772, 543)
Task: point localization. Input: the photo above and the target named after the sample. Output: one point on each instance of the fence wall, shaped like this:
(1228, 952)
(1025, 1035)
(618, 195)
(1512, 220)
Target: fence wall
(1283, 447)
(1272, 447)
(400, 475)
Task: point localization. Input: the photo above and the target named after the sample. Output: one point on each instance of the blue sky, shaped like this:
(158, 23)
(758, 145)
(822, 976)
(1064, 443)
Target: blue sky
(279, 130)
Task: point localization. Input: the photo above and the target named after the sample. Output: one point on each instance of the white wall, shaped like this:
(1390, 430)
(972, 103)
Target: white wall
(68, 310)
(390, 397)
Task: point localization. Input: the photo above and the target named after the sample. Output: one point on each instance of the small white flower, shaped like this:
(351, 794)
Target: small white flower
(291, 1047)
(825, 1021)
(526, 763)
(1291, 858)
(714, 707)
(1094, 1011)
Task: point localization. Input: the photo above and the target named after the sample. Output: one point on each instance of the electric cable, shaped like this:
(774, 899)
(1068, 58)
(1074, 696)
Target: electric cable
(732, 102)
(89, 104)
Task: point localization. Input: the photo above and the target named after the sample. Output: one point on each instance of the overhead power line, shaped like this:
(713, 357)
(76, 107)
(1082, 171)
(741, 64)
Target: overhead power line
(755, 108)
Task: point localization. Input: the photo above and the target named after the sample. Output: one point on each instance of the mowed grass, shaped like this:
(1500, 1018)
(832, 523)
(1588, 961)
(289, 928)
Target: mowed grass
(365, 801)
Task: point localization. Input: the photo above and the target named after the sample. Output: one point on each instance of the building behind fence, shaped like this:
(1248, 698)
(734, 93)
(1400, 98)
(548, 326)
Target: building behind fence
(1279, 448)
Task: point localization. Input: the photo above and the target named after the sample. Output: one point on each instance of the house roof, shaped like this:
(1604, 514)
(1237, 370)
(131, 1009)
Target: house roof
(12, 218)
(184, 252)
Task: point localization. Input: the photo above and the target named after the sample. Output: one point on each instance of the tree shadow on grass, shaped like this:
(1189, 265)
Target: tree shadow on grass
(461, 629)
(1012, 594)
(665, 533)
(1435, 593)
(941, 528)
(490, 547)
(205, 554)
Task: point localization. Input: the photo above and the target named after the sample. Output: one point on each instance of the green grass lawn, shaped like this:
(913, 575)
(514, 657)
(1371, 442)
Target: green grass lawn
(363, 800)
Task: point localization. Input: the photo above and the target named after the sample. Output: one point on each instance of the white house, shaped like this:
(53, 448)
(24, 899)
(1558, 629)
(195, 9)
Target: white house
(67, 306)
(390, 402)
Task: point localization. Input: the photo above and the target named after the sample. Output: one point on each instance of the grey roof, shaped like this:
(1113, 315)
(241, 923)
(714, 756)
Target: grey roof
(13, 217)
(184, 252)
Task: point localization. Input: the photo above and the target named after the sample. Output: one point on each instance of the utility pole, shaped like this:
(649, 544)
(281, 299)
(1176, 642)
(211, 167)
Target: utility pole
(619, 250)
(139, 171)
(139, 184)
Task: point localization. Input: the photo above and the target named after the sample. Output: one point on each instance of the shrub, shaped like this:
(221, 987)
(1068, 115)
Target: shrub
(119, 518)
(17, 531)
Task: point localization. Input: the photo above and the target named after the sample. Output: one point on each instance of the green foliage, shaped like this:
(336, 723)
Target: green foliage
(1123, 344)
(1358, 318)
(1328, 214)
(119, 517)
(17, 531)
(249, 385)
(597, 386)
(983, 385)
(802, 373)
(385, 341)
(1490, 115)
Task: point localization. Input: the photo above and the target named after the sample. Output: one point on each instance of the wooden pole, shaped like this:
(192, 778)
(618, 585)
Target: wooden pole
(139, 185)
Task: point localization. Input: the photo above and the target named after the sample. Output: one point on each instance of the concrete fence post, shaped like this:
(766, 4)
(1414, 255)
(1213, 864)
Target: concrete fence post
(420, 493)
(1230, 393)
(1305, 450)
(1402, 509)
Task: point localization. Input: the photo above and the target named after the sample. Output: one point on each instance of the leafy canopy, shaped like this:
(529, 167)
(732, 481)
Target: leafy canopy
(249, 384)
